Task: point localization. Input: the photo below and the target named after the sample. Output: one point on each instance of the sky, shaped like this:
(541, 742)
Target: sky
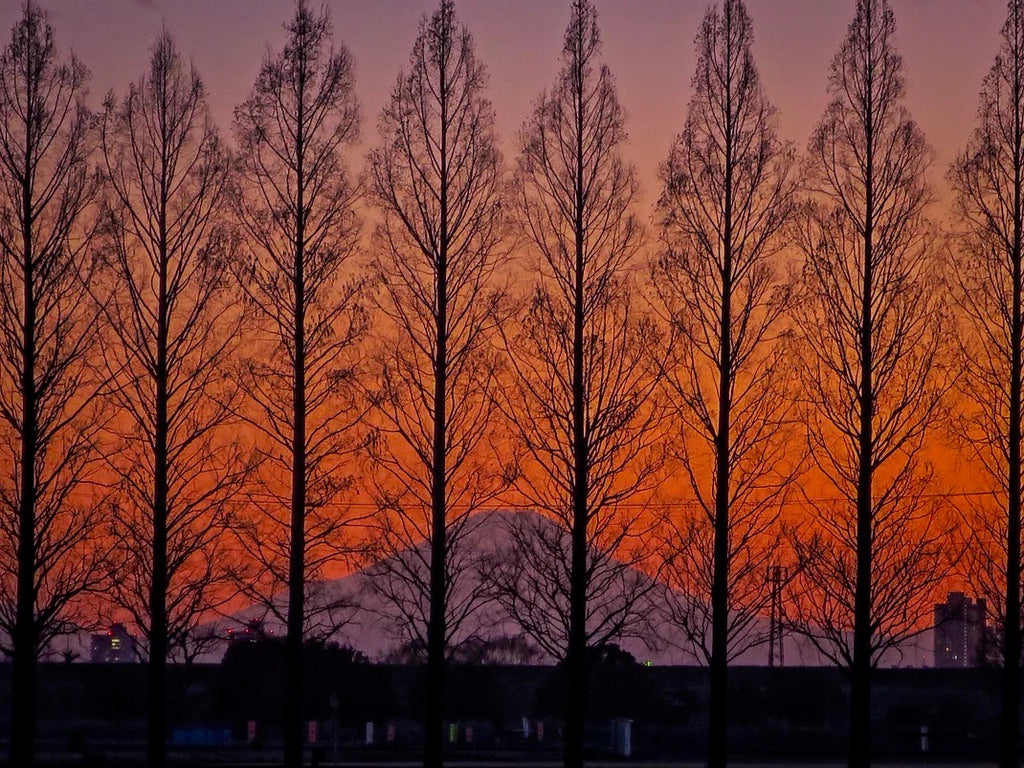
(947, 46)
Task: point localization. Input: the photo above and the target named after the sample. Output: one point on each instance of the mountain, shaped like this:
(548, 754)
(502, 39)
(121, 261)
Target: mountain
(375, 628)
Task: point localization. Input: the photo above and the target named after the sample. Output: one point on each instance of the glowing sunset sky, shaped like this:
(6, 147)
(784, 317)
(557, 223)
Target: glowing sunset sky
(947, 46)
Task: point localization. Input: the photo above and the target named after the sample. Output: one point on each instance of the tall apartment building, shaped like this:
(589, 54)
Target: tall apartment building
(959, 634)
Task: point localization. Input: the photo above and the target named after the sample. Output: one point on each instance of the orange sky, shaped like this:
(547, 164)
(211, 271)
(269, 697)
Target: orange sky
(948, 45)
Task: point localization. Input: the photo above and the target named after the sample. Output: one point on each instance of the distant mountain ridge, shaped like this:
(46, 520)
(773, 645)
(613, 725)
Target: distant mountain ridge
(372, 629)
(372, 633)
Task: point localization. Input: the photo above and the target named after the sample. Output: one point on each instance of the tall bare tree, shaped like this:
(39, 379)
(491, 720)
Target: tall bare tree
(582, 403)
(988, 179)
(729, 193)
(170, 310)
(48, 417)
(299, 235)
(437, 180)
(870, 357)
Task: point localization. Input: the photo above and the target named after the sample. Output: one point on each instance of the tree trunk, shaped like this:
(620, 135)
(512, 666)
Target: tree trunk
(437, 630)
(718, 714)
(293, 736)
(860, 674)
(576, 655)
(1010, 711)
(576, 651)
(23, 709)
(1009, 747)
(296, 558)
(433, 722)
(718, 719)
(860, 693)
(156, 735)
(293, 719)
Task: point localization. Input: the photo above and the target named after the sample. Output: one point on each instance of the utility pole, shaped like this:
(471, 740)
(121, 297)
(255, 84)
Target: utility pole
(775, 578)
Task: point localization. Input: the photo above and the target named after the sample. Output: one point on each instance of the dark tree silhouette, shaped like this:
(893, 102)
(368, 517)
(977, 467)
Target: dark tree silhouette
(868, 319)
(48, 407)
(437, 180)
(505, 651)
(988, 179)
(582, 399)
(171, 314)
(729, 193)
(298, 238)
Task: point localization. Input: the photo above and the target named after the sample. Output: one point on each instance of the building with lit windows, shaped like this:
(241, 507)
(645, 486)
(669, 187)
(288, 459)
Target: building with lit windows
(115, 646)
(959, 632)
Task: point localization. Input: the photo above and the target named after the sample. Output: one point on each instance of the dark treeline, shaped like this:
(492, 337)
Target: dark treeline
(233, 367)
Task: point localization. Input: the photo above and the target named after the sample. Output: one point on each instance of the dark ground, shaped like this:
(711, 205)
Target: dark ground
(93, 715)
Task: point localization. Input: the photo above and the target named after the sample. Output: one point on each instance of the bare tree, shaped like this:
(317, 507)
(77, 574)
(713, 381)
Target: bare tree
(729, 193)
(870, 355)
(48, 406)
(988, 179)
(582, 395)
(299, 235)
(437, 180)
(170, 312)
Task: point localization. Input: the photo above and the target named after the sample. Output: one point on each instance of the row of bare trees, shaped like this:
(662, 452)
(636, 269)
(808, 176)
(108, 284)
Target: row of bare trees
(212, 385)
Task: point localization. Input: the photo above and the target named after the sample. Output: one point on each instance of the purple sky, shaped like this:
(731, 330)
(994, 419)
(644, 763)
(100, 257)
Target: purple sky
(947, 46)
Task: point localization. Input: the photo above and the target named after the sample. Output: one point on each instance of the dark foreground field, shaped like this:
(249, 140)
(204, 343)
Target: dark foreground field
(214, 761)
(368, 714)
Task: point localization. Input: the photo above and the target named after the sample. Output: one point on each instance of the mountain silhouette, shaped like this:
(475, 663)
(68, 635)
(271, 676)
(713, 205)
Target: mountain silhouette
(372, 627)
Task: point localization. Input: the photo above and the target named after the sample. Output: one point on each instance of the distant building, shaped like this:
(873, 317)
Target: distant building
(251, 633)
(959, 631)
(115, 646)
